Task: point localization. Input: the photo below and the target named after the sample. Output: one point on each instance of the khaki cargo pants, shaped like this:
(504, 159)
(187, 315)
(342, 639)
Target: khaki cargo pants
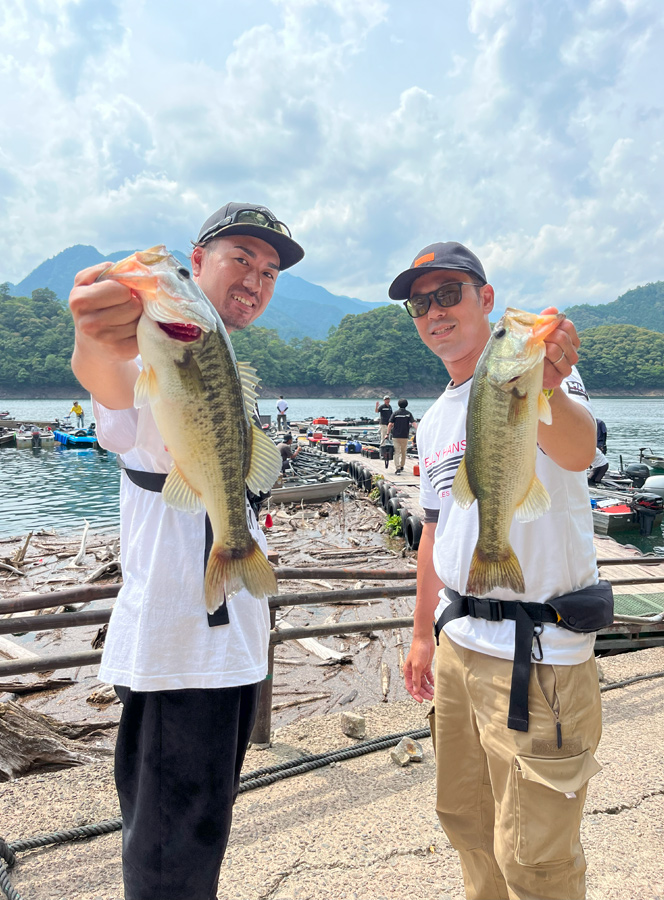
(511, 802)
(400, 452)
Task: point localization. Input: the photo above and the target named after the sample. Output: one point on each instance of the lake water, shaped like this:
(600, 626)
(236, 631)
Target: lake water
(58, 489)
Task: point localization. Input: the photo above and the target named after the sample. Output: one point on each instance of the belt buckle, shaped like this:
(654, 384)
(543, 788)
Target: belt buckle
(491, 610)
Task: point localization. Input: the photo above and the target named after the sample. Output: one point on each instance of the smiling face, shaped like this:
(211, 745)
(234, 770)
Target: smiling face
(237, 273)
(456, 334)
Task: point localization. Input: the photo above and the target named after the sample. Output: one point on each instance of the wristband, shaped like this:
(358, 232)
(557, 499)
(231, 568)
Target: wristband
(548, 393)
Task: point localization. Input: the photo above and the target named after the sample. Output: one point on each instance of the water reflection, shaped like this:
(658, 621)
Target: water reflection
(57, 489)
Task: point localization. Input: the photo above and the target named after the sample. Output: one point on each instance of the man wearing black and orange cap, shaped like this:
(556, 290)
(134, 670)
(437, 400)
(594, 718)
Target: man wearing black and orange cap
(189, 683)
(517, 713)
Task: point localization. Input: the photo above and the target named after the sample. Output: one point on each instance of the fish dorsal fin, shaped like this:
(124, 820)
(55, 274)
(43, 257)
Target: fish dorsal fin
(544, 409)
(248, 380)
(518, 410)
(265, 463)
(146, 387)
(178, 494)
(461, 489)
(535, 503)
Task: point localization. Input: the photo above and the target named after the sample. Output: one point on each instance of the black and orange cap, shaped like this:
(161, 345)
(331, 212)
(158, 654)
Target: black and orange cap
(449, 255)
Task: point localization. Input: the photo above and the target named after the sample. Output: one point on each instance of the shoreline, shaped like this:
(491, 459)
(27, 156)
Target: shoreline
(413, 391)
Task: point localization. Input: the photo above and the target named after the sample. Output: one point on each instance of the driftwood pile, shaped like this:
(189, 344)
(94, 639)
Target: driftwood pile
(30, 741)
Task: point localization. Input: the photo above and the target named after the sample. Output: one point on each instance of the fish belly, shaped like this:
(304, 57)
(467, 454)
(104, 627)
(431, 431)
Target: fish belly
(500, 462)
(200, 414)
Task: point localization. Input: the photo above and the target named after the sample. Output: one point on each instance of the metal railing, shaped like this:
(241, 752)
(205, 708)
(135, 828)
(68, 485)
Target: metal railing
(626, 633)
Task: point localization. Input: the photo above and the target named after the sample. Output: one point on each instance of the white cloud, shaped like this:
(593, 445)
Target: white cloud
(532, 132)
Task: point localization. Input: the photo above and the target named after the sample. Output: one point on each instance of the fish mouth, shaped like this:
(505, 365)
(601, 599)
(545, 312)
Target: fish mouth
(181, 331)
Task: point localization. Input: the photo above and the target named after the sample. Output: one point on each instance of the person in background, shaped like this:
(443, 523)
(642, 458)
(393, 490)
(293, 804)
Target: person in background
(598, 468)
(601, 435)
(384, 410)
(517, 709)
(189, 683)
(77, 409)
(287, 452)
(399, 429)
(282, 406)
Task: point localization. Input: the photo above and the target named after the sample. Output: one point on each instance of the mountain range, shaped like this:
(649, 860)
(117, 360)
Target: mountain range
(298, 308)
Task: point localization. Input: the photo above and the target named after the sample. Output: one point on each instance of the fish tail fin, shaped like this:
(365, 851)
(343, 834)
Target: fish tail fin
(227, 573)
(499, 570)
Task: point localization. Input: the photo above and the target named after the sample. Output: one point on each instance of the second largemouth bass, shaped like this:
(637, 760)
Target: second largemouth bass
(202, 400)
(498, 469)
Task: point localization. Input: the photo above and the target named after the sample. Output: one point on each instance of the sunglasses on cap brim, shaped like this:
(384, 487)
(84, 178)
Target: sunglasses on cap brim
(245, 217)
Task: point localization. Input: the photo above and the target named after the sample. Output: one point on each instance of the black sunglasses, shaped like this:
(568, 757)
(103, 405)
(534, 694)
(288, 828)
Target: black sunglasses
(447, 295)
(245, 217)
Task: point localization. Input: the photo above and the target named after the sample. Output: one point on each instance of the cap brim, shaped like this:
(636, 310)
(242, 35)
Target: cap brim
(289, 250)
(400, 287)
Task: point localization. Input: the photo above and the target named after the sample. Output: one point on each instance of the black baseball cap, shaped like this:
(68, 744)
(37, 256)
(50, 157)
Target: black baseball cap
(258, 221)
(449, 255)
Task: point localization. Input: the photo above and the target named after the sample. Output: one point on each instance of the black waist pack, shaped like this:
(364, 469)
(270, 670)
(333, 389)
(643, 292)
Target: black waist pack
(586, 610)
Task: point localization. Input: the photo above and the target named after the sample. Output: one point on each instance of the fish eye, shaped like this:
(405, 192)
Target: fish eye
(499, 332)
(184, 272)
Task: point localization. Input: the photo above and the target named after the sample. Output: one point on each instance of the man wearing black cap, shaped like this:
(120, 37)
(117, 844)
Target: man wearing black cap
(513, 757)
(189, 683)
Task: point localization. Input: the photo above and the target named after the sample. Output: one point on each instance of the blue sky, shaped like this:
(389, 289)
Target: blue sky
(531, 130)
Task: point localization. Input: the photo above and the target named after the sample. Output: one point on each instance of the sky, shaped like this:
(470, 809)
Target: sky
(530, 130)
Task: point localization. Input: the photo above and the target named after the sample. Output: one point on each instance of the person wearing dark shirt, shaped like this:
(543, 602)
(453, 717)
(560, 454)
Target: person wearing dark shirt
(601, 436)
(399, 429)
(384, 411)
(287, 452)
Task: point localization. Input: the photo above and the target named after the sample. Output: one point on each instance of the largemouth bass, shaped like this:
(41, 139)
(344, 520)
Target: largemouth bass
(498, 469)
(202, 401)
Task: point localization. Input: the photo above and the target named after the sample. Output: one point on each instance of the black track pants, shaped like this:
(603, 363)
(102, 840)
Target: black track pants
(177, 771)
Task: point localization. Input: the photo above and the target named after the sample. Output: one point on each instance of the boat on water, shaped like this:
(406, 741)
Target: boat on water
(302, 490)
(35, 440)
(77, 439)
(619, 504)
(7, 437)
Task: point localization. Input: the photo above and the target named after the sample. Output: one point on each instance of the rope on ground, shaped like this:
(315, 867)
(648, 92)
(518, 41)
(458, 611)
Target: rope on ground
(250, 781)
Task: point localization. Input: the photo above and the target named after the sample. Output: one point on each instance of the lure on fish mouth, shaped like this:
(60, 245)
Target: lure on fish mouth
(505, 405)
(202, 401)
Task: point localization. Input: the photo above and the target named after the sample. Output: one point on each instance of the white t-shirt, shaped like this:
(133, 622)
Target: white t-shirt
(556, 551)
(158, 637)
(282, 406)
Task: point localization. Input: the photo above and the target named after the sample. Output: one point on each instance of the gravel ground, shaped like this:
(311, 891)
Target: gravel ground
(362, 828)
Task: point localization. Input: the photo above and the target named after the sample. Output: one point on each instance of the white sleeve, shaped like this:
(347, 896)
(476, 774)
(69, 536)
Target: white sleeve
(117, 429)
(575, 390)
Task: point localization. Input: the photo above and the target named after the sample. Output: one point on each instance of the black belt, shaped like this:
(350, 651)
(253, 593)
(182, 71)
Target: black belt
(154, 481)
(582, 611)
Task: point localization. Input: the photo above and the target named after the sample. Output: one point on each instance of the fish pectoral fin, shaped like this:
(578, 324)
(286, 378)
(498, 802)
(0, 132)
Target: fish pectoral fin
(226, 574)
(544, 409)
(179, 494)
(535, 503)
(518, 411)
(248, 381)
(265, 463)
(461, 489)
(146, 387)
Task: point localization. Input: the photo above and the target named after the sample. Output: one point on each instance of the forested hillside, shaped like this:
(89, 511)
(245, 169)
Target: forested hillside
(622, 358)
(642, 306)
(377, 349)
(36, 341)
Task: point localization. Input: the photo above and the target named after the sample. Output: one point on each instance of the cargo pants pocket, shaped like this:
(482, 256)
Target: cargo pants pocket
(548, 807)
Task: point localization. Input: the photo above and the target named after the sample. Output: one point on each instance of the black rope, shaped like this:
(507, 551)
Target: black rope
(248, 782)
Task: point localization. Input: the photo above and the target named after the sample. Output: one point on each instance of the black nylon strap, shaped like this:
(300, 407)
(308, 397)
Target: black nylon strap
(526, 616)
(154, 481)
